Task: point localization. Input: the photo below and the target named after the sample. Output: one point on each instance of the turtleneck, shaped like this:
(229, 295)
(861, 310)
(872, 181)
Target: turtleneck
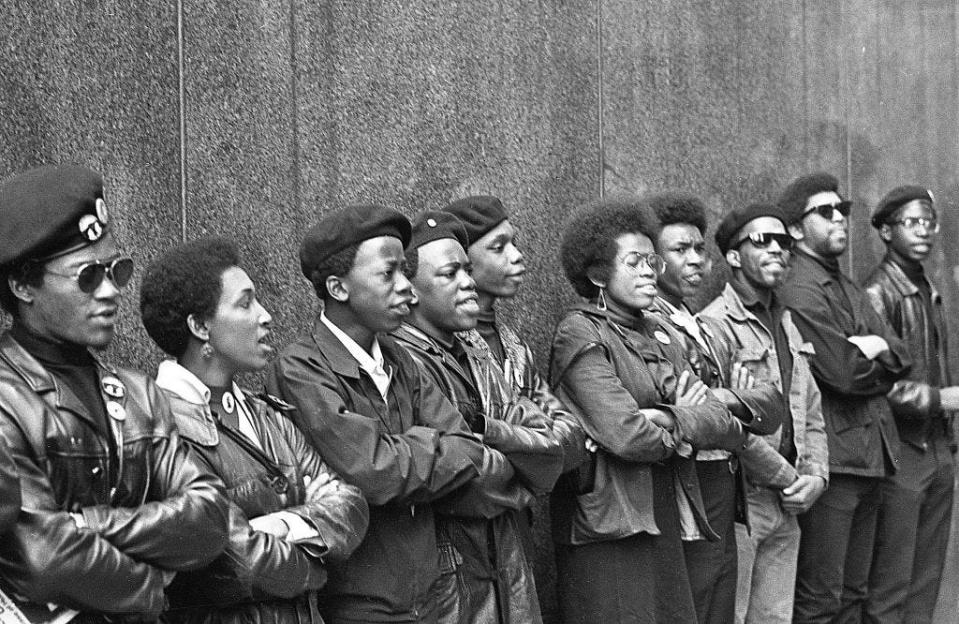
(913, 270)
(486, 326)
(73, 366)
(830, 264)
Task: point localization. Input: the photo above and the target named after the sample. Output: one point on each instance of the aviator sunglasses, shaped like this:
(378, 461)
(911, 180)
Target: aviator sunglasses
(826, 210)
(90, 274)
(762, 240)
(634, 261)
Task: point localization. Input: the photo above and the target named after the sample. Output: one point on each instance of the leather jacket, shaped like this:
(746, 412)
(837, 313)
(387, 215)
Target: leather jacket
(262, 579)
(605, 370)
(9, 489)
(151, 512)
(914, 401)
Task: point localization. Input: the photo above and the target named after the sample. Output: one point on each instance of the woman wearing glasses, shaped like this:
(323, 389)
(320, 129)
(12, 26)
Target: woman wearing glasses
(620, 522)
(290, 515)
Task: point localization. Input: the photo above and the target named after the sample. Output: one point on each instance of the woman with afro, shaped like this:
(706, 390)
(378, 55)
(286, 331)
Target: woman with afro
(619, 523)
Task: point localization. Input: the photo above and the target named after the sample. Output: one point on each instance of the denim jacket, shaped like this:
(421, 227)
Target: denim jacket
(755, 348)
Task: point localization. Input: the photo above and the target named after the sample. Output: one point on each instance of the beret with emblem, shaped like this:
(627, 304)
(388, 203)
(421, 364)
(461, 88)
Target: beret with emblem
(479, 214)
(350, 226)
(734, 221)
(433, 225)
(897, 197)
(50, 211)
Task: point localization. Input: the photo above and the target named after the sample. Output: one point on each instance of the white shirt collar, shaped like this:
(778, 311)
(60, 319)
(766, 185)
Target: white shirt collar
(180, 381)
(372, 362)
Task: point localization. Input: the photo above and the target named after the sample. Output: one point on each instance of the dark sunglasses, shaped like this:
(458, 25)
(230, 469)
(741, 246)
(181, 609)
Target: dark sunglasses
(90, 275)
(826, 210)
(762, 240)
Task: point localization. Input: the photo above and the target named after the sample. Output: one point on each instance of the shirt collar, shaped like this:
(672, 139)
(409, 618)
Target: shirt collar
(371, 362)
(172, 376)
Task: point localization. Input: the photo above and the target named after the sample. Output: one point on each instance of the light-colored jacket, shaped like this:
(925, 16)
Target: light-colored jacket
(752, 345)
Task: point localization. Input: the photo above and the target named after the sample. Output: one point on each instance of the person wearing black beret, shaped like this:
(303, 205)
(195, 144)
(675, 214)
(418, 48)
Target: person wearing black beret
(374, 416)
(488, 576)
(680, 223)
(749, 318)
(857, 358)
(113, 503)
(916, 508)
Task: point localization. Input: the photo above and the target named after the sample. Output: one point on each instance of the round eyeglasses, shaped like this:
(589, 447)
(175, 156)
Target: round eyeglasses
(634, 261)
(90, 275)
(914, 223)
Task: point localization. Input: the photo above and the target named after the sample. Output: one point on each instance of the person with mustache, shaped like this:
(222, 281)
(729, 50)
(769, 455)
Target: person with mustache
(114, 504)
(762, 338)
(374, 416)
(857, 360)
(486, 574)
(619, 521)
(291, 515)
(916, 508)
(681, 224)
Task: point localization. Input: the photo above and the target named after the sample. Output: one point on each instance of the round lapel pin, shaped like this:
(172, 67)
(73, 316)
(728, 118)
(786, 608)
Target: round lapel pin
(116, 411)
(662, 336)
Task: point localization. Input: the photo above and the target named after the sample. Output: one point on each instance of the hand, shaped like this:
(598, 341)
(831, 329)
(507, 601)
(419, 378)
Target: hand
(321, 487)
(689, 393)
(871, 346)
(799, 497)
(949, 398)
(740, 378)
(272, 524)
(660, 417)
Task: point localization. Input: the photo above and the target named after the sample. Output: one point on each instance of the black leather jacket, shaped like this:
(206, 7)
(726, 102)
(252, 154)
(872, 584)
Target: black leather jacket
(261, 579)
(914, 401)
(153, 512)
(9, 489)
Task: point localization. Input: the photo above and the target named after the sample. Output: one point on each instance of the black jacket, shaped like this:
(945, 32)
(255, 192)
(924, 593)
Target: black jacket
(9, 489)
(914, 400)
(153, 512)
(261, 579)
(827, 308)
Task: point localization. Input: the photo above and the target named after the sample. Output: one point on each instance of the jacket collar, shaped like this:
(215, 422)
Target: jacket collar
(805, 264)
(42, 382)
(900, 280)
(418, 338)
(737, 310)
(340, 359)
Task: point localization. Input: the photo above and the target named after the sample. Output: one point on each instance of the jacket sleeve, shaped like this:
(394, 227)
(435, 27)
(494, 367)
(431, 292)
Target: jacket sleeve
(185, 525)
(564, 428)
(529, 438)
(417, 465)
(47, 558)
(341, 517)
(764, 465)
(9, 489)
(838, 364)
(814, 461)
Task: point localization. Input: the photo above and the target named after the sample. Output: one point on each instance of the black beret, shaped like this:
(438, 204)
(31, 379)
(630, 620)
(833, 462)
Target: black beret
(479, 214)
(794, 197)
(738, 217)
(897, 197)
(349, 226)
(50, 211)
(433, 225)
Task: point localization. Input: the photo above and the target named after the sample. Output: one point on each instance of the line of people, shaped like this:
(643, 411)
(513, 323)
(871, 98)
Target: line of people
(784, 455)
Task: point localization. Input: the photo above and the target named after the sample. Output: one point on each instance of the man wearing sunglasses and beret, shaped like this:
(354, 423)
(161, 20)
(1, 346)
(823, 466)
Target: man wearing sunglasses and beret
(112, 504)
(764, 340)
(916, 507)
(857, 359)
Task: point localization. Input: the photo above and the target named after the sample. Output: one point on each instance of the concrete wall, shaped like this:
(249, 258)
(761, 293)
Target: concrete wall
(253, 118)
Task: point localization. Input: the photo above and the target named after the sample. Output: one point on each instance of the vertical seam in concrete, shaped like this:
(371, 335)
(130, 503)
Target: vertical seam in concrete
(182, 102)
(847, 120)
(600, 84)
(805, 90)
(295, 156)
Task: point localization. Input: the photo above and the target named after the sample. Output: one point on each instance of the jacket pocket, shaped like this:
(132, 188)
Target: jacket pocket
(756, 361)
(619, 505)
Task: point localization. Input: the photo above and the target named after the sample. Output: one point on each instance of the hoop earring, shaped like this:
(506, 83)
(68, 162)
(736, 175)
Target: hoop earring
(601, 299)
(206, 351)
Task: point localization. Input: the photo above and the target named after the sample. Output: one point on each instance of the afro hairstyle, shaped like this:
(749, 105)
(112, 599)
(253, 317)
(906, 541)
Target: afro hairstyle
(672, 207)
(589, 242)
(794, 197)
(183, 281)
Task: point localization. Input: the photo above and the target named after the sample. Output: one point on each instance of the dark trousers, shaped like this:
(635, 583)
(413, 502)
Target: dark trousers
(712, 565)
(911, 536)
(835, 551)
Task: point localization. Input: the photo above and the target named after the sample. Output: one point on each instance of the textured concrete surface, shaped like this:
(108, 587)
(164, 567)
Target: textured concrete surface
(292, 108)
